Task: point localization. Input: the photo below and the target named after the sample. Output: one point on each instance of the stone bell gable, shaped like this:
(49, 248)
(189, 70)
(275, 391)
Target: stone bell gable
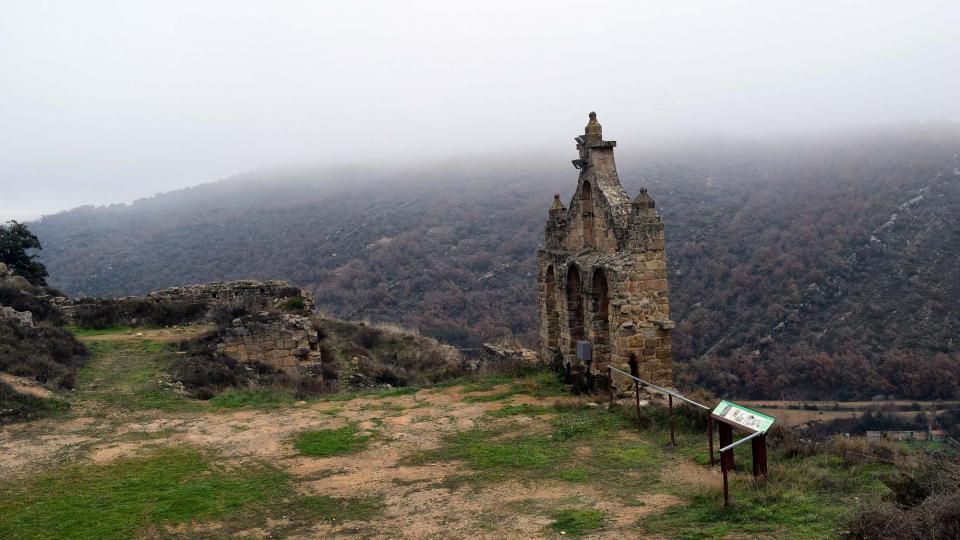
(603, 272)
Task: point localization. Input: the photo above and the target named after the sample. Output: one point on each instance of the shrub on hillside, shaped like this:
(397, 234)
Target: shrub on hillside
(924, 503)
(239, 306)
(97, 316)
(108, 313)
(206, 373)
(295, 303)
(406, 361)
(167, 313)
(49, 354)
(15, 406)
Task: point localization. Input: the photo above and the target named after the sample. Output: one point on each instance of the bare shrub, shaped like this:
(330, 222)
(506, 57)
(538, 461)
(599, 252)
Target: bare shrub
(859, 450)
(924, 503)
(49, 354)
(368, 337)
(97, 315)
(239, 306)
(41, 308)
(569, 403)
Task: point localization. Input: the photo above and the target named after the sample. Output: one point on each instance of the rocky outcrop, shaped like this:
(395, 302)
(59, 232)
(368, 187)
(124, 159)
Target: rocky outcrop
(22, 318)
(7, 278)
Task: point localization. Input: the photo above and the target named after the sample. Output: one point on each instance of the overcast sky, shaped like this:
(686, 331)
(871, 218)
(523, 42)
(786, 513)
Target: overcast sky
(105, 102)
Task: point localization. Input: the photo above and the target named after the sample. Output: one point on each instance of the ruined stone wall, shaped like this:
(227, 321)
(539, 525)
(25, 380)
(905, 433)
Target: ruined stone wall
(287, 342)
(603, 273)
(201, 298)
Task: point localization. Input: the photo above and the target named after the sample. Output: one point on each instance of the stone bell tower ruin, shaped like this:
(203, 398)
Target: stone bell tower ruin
(603, 273)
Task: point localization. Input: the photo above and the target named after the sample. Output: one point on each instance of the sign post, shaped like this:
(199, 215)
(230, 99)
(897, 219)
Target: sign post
(730, 415)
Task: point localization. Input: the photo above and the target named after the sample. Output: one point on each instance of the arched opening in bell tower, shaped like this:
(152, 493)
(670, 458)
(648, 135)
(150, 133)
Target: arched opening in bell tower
(553, 318)
(575, 307)
(600, 311)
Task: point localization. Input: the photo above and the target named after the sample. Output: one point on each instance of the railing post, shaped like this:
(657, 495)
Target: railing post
(759, 445)
(673, 441)
(726, 489)
(636, 396)
(710, 436)
(610, 378)
(726, 439)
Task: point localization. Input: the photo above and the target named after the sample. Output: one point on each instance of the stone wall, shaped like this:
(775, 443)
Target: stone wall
(504, 359)
(603, 273)
(285, 342)
(199, 298)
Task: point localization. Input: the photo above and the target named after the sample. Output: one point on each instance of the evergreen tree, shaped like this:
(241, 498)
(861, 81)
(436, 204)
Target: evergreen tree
(16, 243)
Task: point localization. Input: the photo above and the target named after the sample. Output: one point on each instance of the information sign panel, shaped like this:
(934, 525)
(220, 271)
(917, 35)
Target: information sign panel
(743, 416)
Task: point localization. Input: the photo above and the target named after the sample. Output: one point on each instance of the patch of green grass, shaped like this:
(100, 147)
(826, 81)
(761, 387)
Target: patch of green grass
(492, 397)
(374, 394)
(257, 397)
(588, 423)
(577, 522)
(515, 410)
(495, 451)
(543, 384)
(386, 406)
(131, 374)
(624, 456)
(293, 303)
(93, 332)
(584, 446)
(402, 391)
(809, 497)
(17, 406)
(166, 486)
(576, 475)
(331, 442)
(487, 384)
(340, 510)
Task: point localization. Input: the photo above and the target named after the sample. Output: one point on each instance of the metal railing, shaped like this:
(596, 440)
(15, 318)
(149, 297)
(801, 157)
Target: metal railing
(726, 462)
(660, 388)
(741, 441)
(637, 381)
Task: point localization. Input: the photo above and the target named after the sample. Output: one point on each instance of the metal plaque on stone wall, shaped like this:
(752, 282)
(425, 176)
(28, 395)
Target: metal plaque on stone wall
(585, 350)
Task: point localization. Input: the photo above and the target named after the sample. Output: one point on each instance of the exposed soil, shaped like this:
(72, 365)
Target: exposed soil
(419, 502)
(25, 386)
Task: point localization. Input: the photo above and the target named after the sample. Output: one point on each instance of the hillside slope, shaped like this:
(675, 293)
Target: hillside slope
(797, 266)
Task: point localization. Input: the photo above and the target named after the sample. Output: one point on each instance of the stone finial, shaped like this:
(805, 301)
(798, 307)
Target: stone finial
(643, 200)
(557, 204)
(594, 131)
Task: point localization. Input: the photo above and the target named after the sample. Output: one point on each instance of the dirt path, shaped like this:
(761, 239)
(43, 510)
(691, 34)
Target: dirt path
(420, 500)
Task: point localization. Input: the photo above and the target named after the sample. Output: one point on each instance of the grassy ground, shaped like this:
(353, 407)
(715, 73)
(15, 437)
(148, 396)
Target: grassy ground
(493, 457)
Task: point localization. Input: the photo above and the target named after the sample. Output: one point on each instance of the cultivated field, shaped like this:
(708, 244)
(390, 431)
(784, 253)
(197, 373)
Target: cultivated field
(796, 413)
(486, 458)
